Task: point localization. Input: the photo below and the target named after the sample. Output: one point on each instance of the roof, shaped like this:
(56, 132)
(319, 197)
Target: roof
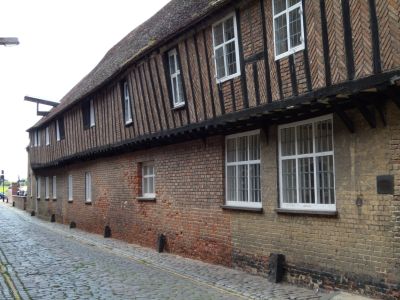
(174, 17)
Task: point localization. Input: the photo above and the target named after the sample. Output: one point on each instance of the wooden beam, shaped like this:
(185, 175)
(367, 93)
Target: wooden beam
(40, 101)
(368, 115)
(380, 107)
(348, 39)
(325, 43)
(241, 62)
(42, 113)
(345, 118)
(265, 52)
(376, 53)
(293, 76)
(307, 70)
(191, 88)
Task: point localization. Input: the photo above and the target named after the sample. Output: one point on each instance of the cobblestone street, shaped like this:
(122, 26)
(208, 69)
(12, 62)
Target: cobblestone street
(43, 260)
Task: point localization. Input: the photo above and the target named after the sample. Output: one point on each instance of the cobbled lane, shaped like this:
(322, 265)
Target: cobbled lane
(43, 260)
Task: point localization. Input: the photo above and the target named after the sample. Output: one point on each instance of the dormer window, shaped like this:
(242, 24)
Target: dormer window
(176, 79)
(60, 131)
(226, 53)
(288, 27)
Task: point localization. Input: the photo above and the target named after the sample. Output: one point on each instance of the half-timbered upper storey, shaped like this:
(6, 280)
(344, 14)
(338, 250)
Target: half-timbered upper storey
(205, 67)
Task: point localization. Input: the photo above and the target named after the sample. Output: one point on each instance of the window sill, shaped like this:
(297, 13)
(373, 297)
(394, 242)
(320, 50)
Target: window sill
(46, 199)
(223, 79)
(240, 208)
(88, 202)
(54, 199)
(38, 199)
(70, 201)
(146, 199)
(179, 106)
(307, 212)
(129, 123)
(290, 52)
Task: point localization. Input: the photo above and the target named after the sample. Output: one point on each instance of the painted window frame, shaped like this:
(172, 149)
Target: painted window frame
(88, 187)
(314, 155)
(47, 188)
(38, 184)
(223, 46)
(47, 133)
(291, 50)
(236, 164)
(92, 116)
(54, 187)
(127, 103)
(145, 177)
(70, 188)
(179, 99)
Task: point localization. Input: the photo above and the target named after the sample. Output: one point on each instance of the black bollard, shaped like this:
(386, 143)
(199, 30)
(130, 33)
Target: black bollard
(72, 225)
(107, 232)
(33, 213)
(161, 243)
(53, 218)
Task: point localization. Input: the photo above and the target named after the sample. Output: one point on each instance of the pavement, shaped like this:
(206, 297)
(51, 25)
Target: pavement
(43, 260)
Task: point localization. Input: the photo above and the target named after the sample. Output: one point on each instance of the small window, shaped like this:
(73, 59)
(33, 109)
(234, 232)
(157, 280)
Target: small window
(243, 170)
(306, 165)
(88, 187)
(60, 132)
(38, 187)
(36, 138)
(176, 79)
(54, 187)
(47, 136)
(226, 53)
(88, 114)
(70, 188)
(148, 180)
(288, 27)
(127, 103)
(47, 188)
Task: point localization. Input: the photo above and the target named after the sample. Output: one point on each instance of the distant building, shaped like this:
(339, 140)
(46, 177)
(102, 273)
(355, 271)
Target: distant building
(240, 129)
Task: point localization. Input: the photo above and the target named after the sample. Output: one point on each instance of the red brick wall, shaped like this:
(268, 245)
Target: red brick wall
(189, 189)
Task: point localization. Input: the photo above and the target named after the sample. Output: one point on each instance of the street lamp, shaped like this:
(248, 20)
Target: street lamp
(5, 41)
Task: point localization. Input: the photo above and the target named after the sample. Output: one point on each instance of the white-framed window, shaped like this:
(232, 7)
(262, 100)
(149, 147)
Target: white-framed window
(127, 104)
(47, 188)
(88, 187)
(148, 180)
(226, 49)
(36, 138)
(288, 27)
(54, 192)
(306, 165)
(38, 184)
(47, 136)
(243, 169)
(70, 188)
(176, 79)
(58, 135)
(92, 116)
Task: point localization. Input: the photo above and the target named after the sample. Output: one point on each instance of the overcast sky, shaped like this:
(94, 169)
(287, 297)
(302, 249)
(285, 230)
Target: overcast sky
(60, 42)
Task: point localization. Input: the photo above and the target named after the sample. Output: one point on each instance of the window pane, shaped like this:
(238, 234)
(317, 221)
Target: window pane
(242, 148)
(180, 89)
(289, 181)
(255, 186)
(219, 60)
(254, 147)
(304, 139)
(306, 180)
(231, 57)
(293, 2)
(295, 27)
(288, 146)
(323, 136)
(229, 29)
(325, 182)
(218, 35)
(174, 89)
(279, 6)
(231, 183)
(243, 182)
(145, 185)
(151, 185)
(231, 150)
(281, 34)
(172, 69)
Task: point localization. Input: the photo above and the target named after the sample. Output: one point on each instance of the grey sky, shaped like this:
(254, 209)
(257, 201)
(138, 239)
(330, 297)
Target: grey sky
(60, 42)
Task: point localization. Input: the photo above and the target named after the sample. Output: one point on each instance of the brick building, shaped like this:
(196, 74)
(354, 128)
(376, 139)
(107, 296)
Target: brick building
(240, 129)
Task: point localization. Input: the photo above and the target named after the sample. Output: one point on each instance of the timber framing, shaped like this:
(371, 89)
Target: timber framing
(309, 105)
